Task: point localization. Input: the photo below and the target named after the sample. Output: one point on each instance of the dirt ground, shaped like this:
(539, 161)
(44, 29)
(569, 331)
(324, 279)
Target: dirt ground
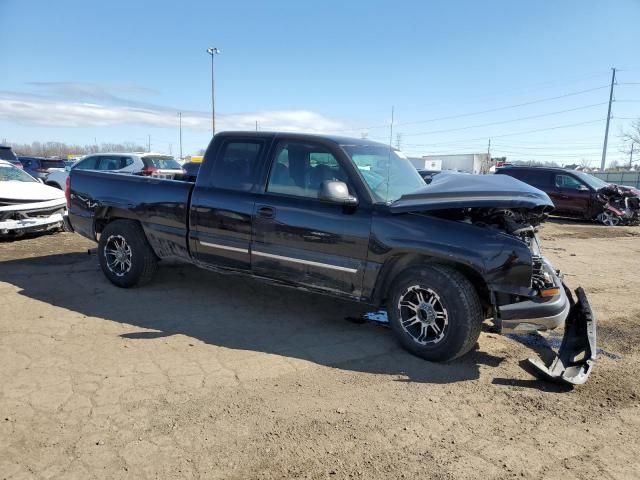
(205, 376)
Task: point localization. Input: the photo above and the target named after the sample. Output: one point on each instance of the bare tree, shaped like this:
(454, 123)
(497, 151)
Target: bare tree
(633, 134)
(59, 149)
(584, 163)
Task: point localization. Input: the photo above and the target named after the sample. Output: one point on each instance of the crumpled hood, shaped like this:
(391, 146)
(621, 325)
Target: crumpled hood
(623, 189)
(473, 191)
(28, 192)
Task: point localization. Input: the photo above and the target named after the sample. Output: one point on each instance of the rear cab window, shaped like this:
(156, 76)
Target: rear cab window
(237, 165)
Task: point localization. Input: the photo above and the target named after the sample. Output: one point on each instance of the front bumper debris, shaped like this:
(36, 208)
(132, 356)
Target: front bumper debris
(578, 351)
(31, 225)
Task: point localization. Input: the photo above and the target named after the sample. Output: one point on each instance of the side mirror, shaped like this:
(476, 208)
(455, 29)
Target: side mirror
(336, 192)
(67, 168)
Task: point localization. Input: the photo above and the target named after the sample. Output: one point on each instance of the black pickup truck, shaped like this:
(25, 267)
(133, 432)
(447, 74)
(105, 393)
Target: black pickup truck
(353, 218)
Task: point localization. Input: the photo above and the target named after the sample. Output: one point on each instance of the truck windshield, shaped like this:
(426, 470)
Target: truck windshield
(388, 173)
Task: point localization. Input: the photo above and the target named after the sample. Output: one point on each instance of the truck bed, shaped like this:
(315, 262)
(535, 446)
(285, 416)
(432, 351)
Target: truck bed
(161, 206)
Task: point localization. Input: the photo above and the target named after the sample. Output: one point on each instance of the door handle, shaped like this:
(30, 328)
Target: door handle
(266, 212)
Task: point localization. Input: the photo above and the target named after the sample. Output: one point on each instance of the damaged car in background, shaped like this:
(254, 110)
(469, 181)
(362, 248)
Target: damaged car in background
(26, 205)
(578, 194)
(620, 205)
(351, 218)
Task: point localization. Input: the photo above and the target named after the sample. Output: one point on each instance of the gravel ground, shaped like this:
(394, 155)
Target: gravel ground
(205, 376)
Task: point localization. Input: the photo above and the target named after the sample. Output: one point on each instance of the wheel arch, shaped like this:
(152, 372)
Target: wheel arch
(395, 266)
(106, 215)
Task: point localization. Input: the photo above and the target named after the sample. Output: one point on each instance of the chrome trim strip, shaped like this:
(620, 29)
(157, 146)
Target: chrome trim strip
(224, 247)
(305, 262)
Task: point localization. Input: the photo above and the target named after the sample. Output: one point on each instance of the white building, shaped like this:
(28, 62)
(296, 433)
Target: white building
(471, 163)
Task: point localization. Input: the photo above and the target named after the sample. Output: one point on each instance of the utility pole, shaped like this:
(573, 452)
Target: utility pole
(256, 125)
(487, 166)
(148, 143)
(398, 140)
(213, 51)
(606, 128)
(631, 155)
(180, 123)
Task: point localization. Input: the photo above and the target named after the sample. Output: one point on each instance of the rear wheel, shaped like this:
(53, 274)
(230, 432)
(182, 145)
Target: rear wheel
(435, 312)
(125, 255)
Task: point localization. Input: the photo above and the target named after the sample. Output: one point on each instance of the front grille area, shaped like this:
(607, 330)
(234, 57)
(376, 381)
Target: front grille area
(35, 213)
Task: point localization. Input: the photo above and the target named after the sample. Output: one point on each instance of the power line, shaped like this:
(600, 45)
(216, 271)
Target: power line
(502, 122)
(516, 133)
(567, 147)
(512, 152)
(497, 109)
(479, 112)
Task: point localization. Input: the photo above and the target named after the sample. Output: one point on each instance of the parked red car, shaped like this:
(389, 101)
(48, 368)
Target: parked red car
(579, 194)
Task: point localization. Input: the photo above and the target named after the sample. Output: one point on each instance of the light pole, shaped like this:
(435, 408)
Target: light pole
(213, 51)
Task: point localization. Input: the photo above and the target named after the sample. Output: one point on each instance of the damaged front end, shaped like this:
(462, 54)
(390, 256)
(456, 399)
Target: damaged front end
(515, 209)
(17, 219)
(620, 205)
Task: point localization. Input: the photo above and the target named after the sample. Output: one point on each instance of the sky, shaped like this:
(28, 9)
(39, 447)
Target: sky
(532, 76)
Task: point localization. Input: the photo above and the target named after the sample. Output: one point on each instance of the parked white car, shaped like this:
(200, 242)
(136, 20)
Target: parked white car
(149, 164)
(26, 205)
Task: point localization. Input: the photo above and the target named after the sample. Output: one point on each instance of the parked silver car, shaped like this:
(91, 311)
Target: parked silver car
(149, 164)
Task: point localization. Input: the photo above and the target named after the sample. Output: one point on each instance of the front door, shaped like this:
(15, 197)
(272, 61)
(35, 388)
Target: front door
(572, 196)
(300, 239)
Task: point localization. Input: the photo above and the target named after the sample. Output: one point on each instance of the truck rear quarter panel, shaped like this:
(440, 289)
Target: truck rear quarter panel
(161, 207)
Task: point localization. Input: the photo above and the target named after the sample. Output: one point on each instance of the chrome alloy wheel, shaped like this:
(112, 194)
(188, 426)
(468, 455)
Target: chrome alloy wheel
(422, 315)
(117, 253)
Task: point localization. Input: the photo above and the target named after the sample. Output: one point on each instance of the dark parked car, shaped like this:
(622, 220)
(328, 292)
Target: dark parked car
(427, 175)
(39, 167)
(578, 194)
(6, 153)
(346, 217)
(191, 170)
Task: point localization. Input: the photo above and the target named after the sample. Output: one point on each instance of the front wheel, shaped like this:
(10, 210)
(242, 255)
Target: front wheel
(125, 255)
(608, 218)
(435, 312)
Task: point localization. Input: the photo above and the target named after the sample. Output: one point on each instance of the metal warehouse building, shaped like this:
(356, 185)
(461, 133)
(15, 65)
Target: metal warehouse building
(471, 163)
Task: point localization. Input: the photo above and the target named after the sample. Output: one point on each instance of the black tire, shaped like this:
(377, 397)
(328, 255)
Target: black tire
(143, 262)
(456, 312)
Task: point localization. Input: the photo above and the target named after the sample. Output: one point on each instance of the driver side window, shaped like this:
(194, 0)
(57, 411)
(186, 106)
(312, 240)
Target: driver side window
(568, 182)
(299, 169)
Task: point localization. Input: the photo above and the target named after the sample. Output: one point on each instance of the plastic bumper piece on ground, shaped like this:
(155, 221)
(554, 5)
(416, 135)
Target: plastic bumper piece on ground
(578, 350)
